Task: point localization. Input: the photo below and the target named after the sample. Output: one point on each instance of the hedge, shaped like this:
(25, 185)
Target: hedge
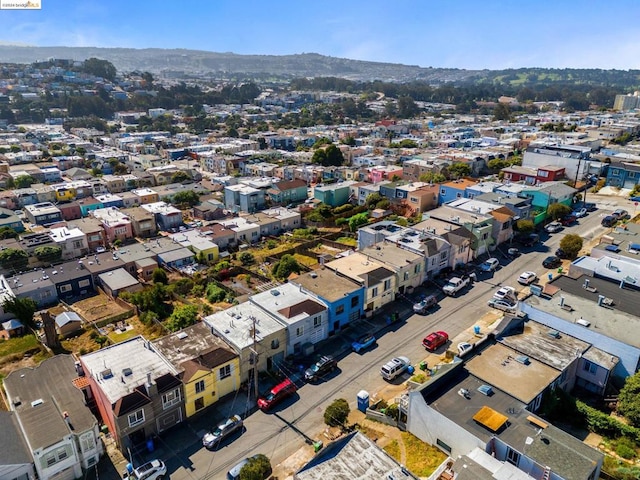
(600, 422)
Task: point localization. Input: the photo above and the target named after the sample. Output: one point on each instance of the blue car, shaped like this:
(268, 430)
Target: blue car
(634, 199)
(363, 343)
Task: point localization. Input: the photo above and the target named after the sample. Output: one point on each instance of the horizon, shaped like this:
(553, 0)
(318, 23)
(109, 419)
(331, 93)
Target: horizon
(495, 35)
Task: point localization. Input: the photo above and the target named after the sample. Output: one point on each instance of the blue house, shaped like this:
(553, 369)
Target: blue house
(11, 220)
(453, 190)
(390, 190)
(334, 195)
(623, 174)
(344, 299)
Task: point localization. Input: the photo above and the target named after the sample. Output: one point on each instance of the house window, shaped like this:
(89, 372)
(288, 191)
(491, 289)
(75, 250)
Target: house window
(374, 292)
(458, 195)
(413, 199)
(65, 288)
(443, 255)
(387, 285)
(275, 343)
(340, 309)
(443, 445)
(200, 386)
(416, 269)
(513, 457)
(225, 371)
(354, 301)
(45, 294)
(120, 230)
(589, 367)
(136, 418)
(169, 399)
(87, 442)
(543, 173)
(406, 276)
(317, 322)
(77, 244)
(299, 331)
(443, 192)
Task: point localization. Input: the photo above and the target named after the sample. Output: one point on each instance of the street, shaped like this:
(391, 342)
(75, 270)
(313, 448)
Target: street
(282, 432)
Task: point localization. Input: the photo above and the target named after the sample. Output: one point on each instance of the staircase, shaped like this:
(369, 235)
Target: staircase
(546, 474)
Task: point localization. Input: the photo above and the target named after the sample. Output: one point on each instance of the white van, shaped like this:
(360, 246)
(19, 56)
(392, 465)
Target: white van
(394, 367)
(234, 473)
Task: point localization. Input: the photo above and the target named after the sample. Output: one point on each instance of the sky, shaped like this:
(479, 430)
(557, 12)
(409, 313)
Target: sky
(470, 34)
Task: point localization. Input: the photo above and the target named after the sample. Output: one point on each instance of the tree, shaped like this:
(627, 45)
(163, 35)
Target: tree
(337, 413)
(215, 294)
(285, 267)
(571, 244)
(431, 177)
(330, 156)
(629, 400)
(459, 169)
(180, 177)
(24, 181)
(358, 221)
(48, 253)
(186, 198)
(525, 226)
(7, 232)
(558, 210)
(246, 258)
(502, 112)
(22, 308)
(372, 199)
(407, 108)
(182, 317)
(14, 259)
(159, 276)
(257, 468)
(99, 68)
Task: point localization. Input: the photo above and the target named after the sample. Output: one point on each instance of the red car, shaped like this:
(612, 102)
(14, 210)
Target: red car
(434, 340)
(568, 220)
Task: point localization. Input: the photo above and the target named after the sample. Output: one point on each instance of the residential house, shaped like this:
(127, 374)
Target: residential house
(16, 462)
(344, 298)
(116, 224)
(379, 281)
(243, 198)
(419, 197)
(623, 174)
(145, 268)
(60, 431)
(520, 207)
(384, 172)
(177, 259)
(51, 174)
(407, 265)
(26, 196)
(245, 231)
(89, 204)
(479, 224)
(68, 323)
(137, 391)
(11, 328)
(334, 195)
(503, 218)
(44, 193)
(208, 368)
(31, 241)
(70, 211)
(199, 243)
(445, 245)
(167, 216)
(9, 200)
(251, 331)
(453, 190)
(574, 159)
(544, 195)
(143, 222)
(9, 219)
(77, 173)
(306, 319)
(534, 176)
(146, 195)
(117, 281)
(288, 192)
(115, 183)
(209, 210)
(93, 232)
(220, 235)
(71, 279)
(72, 241)
(43, 213)
(110, 200)
(129, 199)
(101, 263)
(34, 284)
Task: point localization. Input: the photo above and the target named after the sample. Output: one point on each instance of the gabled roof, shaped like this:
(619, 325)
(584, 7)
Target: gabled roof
(307, 306)
(290, 185)
(67, 317)
(12, 324)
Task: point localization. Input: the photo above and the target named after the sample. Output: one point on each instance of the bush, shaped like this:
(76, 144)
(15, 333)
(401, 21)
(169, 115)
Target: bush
(629, 400)
(337, 413)
(393, 411)
(285, 267)
(571, 244)
(271, 244)
(600, 422)
(246, 258)
(257, 468)
(215, 294)
(626, 448)
(159, 276)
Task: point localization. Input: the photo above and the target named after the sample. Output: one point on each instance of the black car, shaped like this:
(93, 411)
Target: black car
(560, 253)
(551, 262)
(609, 221)
(319, 369)
(528, 240)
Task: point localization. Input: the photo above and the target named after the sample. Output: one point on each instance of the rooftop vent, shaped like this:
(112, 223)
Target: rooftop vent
(485, 390)
(275, 293)
(37, 402)
(127, 372)
(553, 333)
(182, 335)
(523, 359)
(106, 374)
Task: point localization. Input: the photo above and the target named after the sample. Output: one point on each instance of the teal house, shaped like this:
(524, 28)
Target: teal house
(544, 195)
(335, 194)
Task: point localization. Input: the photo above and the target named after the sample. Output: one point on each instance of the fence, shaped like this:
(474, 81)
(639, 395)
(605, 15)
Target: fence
(381, 417)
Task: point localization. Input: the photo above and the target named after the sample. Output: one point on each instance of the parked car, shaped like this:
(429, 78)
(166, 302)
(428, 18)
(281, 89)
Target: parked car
(277, 394)
(528, 240)
(505, 293)
(513, 252)
(464, 348)
(455, 284)
(560, 253)
(394, 367)
(553, 227)
(435, 340)
(489, 265)
(582, 212)
(634, 199)
(568, 220)
(224, 430)
(527, 278)
(319, 369)
(609, 221)
(425, 304)
(363, 342)
(504, 305)
(153, 470)
(234, 472)
(551, 262)
(620, 214)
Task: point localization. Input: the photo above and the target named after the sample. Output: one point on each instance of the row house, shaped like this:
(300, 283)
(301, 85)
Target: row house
(89, 204)
(167, 217)
(243, 198)
(221, 235)
(533, 176)
(66, 162)
(288, 192)
(479, 224)
(9, 219)
(70, 211)
(209, 210)
(110, 200)
(384, 172)
(199, 243)
(44, 193)
(245, 231)
(72, 241)
(69, 191)
(116, 224)
(453, 190)
(623, 175)
(25, 196)
(503, 218)
(408, 266)
(143, 222)
(43, 214)
(93, 231)
(146, 195)
(544, 195)
(419, 197)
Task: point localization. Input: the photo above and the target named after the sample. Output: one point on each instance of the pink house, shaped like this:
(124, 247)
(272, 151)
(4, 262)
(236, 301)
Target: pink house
(385, 172)
(117, 225)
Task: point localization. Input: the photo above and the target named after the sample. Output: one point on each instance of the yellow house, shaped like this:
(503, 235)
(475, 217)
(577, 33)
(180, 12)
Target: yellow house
(208, 367)
(65, 194)
(199, 244)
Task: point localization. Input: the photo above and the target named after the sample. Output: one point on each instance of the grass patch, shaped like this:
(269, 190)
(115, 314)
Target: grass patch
(18, 345)
(352, 242)
(421, 458)
(393, 449)
(305, 260)
(117, 337)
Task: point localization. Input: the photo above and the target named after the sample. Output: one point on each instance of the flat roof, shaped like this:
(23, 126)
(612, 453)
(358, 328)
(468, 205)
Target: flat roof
(326, 284)
(118, 279)
(499, 366)
(359, 267)
(135, 356)
(391, 254)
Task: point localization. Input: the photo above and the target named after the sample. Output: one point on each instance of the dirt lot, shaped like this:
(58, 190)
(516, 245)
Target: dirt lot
(98, 307)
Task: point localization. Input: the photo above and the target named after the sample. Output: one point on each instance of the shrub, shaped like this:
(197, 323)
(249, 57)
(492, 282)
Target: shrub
(246, 258)
(271, 244)
(159, 276)
(337, 413)
(393, 411)
(257, 468)
(215, 294)
(626, 448)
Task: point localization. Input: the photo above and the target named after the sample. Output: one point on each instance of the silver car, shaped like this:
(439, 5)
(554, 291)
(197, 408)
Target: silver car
(231, 425)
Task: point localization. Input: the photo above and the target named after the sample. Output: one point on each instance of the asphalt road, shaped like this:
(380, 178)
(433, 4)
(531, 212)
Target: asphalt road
(284, 431)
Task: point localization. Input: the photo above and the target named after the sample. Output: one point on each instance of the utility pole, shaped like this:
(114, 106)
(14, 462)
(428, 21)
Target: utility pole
(254, 352)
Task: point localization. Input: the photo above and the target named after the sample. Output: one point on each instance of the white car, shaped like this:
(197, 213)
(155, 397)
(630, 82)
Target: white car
(153, 470)
(506, 293)
(463, 348)
(580, 213)
(489, 265)
(553, 227)
(527, 278)
(507, 305)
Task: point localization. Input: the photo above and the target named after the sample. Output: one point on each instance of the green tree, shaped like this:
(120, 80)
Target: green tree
(571, 244)
(372, 199)
(431, 177)
(337, 413)
(629, 400)
(558, 210)
(99, 68)
(330, 156)
(246, 258)
(7, 232)
(358, 221)
(285, 267)
(48, 253)
(257, 468)
(182, 317)
(180, 177)
(14, 259)
(186, 198)
(215, 294)
(349, 141)
(525, 226)
(159, 276)
(22, 308)
(502, 112)
(458, 170)
(24, 181)
(407, 108)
